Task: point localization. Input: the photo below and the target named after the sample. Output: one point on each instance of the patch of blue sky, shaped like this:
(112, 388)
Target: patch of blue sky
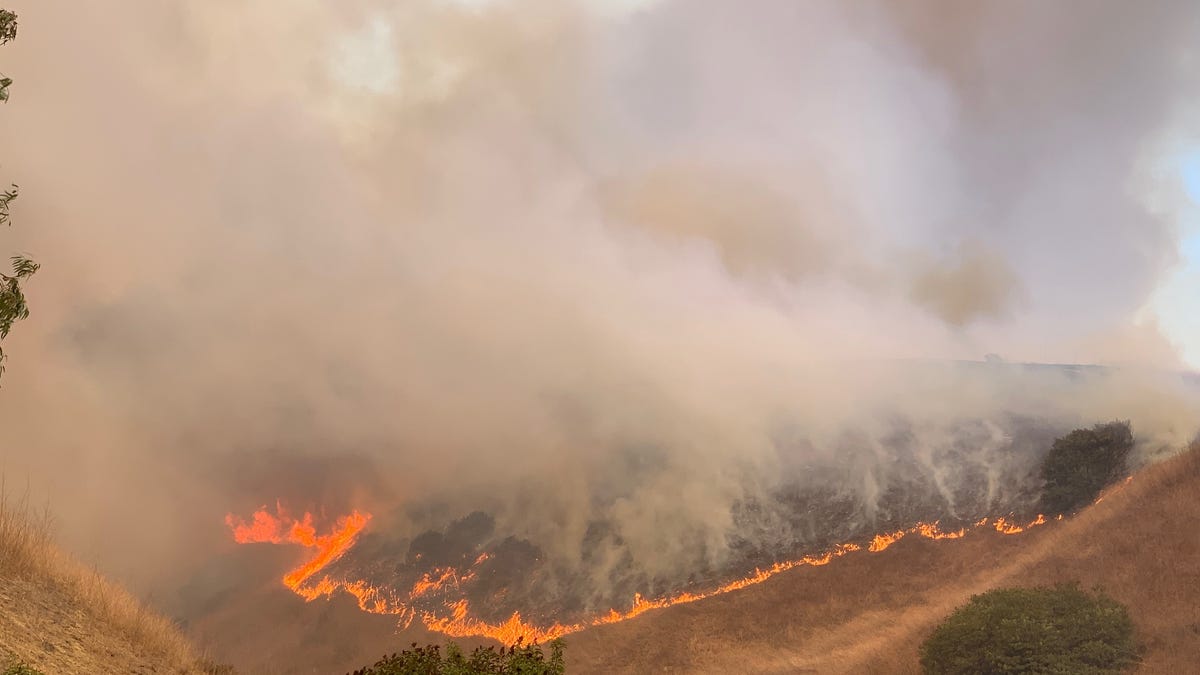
(1189, 171)
(1176, 303)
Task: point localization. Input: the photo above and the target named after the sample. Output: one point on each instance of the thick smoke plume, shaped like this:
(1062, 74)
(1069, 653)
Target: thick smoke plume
(631, 279)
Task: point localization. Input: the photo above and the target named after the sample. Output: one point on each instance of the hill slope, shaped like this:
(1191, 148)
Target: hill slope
(59, 617)
(868, 613)
(864, 613)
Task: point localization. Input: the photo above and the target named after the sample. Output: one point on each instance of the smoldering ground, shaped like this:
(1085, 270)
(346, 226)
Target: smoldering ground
(617, 278)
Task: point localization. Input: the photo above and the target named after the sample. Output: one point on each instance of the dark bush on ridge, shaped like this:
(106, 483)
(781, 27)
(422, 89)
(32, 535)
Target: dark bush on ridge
(1082, 463)
(1033, 630)
(429, 660)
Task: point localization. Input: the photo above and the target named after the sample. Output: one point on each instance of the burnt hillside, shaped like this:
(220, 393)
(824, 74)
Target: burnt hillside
(869, 613)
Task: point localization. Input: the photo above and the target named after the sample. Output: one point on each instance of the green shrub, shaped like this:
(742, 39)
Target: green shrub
(1033, 630)
(21, 669)
(1080, 464)
(516, 660)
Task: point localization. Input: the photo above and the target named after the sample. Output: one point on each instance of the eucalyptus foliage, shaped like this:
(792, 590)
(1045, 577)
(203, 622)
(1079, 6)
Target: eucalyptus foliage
(13, 307)
(8, 32)
(8, 26)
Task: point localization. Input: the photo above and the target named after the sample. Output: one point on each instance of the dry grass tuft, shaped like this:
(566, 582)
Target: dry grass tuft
(61, 616)
(25, 540)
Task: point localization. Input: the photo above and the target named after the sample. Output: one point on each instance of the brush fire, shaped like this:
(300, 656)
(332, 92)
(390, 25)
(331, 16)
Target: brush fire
(440, 597)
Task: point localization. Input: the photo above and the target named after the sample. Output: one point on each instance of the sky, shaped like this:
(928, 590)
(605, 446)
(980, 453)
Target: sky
(1189, 172)
(1177, 302)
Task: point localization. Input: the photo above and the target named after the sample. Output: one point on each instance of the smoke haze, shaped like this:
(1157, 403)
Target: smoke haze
(570, 264)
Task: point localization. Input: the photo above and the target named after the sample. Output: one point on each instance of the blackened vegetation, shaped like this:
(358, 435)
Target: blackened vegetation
(981, 469)
(868, 485)
(1082, 463)
(429, 660)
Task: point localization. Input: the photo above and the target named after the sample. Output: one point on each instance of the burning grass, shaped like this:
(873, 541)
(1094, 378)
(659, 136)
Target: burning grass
(58, 615)
(455, 619)
(869, 614)
(904, 596)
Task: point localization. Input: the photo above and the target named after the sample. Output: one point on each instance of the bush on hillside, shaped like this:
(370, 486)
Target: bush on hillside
(1033, 630)
(1080, 464)
(516, 660)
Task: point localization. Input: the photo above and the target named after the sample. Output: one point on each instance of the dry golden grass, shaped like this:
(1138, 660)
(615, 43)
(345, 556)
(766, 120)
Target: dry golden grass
(61, 617)
(868, 613)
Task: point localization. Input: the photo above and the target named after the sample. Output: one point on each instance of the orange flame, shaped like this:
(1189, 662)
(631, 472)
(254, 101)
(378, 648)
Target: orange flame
(426, 584)
(280, 529)
(1005, 526)
(926, 530)
(460, 624)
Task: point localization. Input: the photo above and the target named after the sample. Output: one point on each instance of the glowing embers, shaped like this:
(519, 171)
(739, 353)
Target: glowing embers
(437, 597)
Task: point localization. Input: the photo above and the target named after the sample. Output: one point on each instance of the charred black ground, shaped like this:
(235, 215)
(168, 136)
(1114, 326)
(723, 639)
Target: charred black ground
(500, 573)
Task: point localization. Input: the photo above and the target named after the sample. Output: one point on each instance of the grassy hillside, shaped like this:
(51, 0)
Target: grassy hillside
(864, 613)
(869, 613)
(316, 637)
(59, 617)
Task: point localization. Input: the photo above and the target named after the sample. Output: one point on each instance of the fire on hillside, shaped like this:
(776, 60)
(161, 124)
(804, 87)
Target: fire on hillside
(441, 596)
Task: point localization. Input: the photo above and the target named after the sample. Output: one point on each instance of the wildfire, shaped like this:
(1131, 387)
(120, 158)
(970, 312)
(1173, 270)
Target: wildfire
(460, 624)
(427, 584)
(283, 529)
(926, 530)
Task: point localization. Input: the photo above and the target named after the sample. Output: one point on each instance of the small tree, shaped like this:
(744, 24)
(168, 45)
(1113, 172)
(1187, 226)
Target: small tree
(12, 297)
(1033, 630)
(1080, 465)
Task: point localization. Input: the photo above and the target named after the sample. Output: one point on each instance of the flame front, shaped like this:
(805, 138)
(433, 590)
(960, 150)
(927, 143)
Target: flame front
(283, 529)
(458, 622)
